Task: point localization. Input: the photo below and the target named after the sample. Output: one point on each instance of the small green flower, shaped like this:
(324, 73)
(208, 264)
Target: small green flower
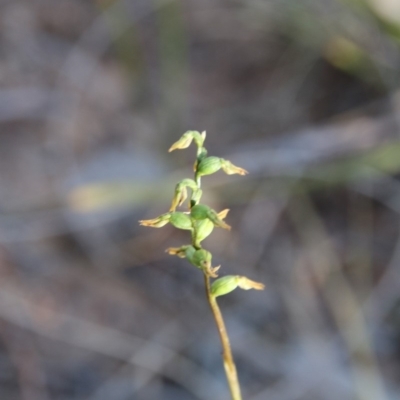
(156, 222)
(178, 219)
(210, 165)
(202, 259)
(181, 220)
(202, 229)
(182, 252)
(181, 192)
(224, 285)
(199, 258)
(179, 197)
(187, 138)
(229, 283)
(201, 211)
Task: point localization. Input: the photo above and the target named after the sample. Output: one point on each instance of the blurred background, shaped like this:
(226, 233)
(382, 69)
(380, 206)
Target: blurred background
(304, 94)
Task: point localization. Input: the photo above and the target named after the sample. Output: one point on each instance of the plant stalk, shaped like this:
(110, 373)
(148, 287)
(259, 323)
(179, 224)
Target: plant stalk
(229, 363)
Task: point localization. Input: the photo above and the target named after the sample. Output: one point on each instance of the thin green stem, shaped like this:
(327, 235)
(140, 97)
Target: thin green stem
(229, 363)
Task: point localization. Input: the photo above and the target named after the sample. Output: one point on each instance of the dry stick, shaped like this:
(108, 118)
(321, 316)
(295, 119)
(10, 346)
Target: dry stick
(229, 363)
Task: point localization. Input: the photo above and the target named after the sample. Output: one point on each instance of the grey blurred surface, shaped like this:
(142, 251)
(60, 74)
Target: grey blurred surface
(303, 94)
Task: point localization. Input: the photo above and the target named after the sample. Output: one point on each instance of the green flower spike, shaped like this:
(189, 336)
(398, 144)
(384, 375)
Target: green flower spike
(201, 212)
(186, 139)
(201, 220)
(229, 283)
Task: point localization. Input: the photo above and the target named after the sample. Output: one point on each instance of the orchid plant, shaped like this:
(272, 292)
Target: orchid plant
(200, 220)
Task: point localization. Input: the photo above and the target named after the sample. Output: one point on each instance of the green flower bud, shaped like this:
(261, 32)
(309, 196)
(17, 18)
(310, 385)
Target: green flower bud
(181, 220)
(199, 258)
(201, 211)
(229, 283)
(224, 285)
(202, 229)
(202, 259)
(208, 166)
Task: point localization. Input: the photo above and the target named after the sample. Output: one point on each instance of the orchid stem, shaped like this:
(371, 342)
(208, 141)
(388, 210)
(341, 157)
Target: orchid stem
(229, 363)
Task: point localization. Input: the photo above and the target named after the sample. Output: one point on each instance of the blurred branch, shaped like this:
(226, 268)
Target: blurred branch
(107, 341)
(339, 295)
